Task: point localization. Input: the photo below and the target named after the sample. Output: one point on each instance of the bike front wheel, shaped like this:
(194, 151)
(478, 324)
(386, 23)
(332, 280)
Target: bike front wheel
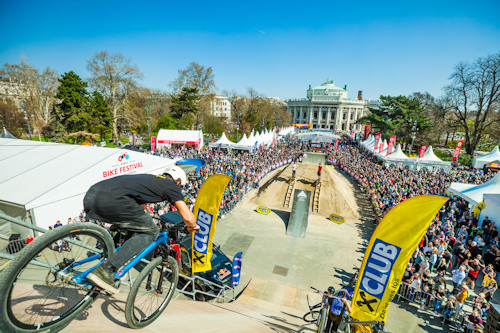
(37, 286)
(151, 292)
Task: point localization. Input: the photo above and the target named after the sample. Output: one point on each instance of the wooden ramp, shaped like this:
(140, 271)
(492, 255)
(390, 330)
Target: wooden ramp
(317, 190)
(289, 191)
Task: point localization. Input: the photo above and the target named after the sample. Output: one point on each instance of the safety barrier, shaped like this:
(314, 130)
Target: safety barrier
(428, 301)
(223, 294)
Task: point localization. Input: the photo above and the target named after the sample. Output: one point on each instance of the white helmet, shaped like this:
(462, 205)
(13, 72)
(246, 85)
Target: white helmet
(176, 173)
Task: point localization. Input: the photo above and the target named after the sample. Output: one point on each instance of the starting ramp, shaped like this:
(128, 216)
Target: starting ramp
(297, 224)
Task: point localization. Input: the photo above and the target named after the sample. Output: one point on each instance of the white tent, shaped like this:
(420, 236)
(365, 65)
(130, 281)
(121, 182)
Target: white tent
(474, 193)
(368, 140)
(223, 142)
(243, 144)
(179, 137)
(396, 158)
(491, 208)
(432, 162)
(44, 182)
(492, 156)
(384, 146)
(243, 140)
(287, 130)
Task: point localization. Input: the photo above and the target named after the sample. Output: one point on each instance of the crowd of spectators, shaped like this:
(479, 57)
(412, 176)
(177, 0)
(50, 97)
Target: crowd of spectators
(457, 263)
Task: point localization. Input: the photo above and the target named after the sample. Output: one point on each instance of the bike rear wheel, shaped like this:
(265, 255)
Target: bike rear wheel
(311, 316)
(36, 285)
(151, 292)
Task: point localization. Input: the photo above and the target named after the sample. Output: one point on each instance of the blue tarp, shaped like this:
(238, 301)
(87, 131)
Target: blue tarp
(192, 161)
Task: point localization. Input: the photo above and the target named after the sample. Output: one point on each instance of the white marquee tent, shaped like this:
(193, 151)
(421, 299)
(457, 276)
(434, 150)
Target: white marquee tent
(397, 157)
(492, 156)
(44, 182)
(491, 208)
(223, 142)
(431, 161)
(474, 193)
(179, 137)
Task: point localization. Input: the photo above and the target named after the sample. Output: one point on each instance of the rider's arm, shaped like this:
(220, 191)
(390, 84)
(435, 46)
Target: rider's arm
(186, 214)
(347, 306)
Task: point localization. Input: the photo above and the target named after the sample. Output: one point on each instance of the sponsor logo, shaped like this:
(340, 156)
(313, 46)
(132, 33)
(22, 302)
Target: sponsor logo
(222, 273)
(123, 157)
(204, 220)
(376, 275)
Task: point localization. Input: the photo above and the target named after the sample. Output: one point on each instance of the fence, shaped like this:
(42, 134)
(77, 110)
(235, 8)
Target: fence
(428, 301)
(192, 287)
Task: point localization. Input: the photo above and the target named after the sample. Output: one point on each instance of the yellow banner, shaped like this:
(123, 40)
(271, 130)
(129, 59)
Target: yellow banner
(206, 210)
(388, 253)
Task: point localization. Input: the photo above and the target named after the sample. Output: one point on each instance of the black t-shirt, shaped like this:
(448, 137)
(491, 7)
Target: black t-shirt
(142, 188)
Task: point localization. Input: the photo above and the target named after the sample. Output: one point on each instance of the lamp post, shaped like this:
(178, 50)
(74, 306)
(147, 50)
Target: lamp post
(27, 119)
(263, 118)
(238, 128)
(149, 130)
(414, 131)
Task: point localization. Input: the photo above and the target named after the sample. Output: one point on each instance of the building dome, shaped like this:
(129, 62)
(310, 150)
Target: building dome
(328, 84)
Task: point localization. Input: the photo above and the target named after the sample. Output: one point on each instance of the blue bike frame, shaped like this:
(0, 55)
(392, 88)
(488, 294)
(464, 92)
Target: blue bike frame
(82, 277)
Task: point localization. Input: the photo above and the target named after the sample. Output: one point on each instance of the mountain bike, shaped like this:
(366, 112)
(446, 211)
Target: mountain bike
(44, 290)
(318, 313)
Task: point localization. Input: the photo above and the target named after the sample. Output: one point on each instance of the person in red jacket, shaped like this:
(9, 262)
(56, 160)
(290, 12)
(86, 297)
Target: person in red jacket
(320, 167)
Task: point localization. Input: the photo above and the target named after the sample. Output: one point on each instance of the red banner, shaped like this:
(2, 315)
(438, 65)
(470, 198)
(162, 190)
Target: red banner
(330, 146)
(377, 139)
(367, 132)
(153, 143)
(457, 150)
(381, 147)
(392, 141)
(336, 144)
(422, 151)
(352, 133)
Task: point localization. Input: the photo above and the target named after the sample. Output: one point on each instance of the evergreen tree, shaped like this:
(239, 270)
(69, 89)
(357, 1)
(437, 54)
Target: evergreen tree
(72, 111)
(101, 119)
(184, 106)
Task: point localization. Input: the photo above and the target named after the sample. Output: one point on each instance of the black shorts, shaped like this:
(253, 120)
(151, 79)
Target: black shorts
(319, 173)
(472, 277)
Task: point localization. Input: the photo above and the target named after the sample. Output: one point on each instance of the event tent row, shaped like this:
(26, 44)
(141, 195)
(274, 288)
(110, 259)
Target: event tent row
(429, 160)
(253, 141)
(43, 182)
(493, 156)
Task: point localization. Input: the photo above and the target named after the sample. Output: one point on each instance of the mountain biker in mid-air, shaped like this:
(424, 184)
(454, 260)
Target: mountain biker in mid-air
(118, 201)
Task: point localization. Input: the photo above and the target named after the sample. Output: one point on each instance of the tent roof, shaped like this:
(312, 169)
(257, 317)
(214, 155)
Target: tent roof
(224, 140)
(167, 136)
(6, 134)
(243, 140)
(474, 193)
(492, 156)
(429, 156)
(37, 173)
(397, 154)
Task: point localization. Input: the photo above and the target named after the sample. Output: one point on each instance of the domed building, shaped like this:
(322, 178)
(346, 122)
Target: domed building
(327, 107)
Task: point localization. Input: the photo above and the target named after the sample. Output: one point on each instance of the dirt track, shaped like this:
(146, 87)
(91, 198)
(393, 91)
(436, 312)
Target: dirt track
(336, 195)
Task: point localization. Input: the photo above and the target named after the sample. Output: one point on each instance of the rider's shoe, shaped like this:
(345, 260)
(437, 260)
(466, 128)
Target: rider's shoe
(104, 279)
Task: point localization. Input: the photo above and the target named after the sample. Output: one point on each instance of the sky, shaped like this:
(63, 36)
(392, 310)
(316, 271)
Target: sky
(278, 48)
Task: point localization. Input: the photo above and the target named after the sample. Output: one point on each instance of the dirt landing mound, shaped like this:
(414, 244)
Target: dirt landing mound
(335, 196)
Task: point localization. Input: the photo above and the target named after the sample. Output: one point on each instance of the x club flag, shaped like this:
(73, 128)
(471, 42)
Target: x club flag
(377, 139)
(336, 144)
(237, 269)
(352, 133)
(206, 210)
(422, 151)
(153, 144)
(388, 254)
(367, 132)
(330, 146)
(390, 147)
(381, 146)
(457, 150)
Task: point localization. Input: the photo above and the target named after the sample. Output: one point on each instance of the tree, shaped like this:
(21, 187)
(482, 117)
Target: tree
(114, 77)
(72, 111)
(195, 76)
(101, 118)
(214, 125)
(12, 118)
(474, 95)
(33, 88)
(166, 122)
(393, 117)
(184, 106)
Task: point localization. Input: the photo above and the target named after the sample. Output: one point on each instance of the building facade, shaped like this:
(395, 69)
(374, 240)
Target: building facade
(327, 107)
(220, 106)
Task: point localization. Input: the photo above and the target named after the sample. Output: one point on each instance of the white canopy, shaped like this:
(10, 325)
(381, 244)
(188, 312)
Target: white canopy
(286, 131)
(396, 157)
(368, 140)
(179, 137)
(431, 161)
(50, 179)
(384, 149)
(492, 156)
(317, 136)
(474, 193)
(243, 140)
(223, 142)
(245, 143)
